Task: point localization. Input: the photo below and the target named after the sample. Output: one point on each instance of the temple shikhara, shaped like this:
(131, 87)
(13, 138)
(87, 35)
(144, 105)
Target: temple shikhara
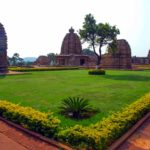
(3, 50)
(71, 51)
(120, 59)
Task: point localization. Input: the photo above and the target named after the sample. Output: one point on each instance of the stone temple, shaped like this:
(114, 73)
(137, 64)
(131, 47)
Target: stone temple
(71, 51)
(120, 59)
(3, 50)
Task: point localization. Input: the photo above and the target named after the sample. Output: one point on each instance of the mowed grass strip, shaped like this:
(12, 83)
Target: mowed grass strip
(45, 90)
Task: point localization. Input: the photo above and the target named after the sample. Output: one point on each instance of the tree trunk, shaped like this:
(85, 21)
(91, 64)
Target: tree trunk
(98, 62)
(98, 58)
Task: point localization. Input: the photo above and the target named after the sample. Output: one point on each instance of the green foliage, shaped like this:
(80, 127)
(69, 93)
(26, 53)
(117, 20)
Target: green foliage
(97, 72)
(52, 57)
(75, 107)
(27, 69)
(100, 135)
(101, 34)
(15, 60)
(88, 52)
(42, 123)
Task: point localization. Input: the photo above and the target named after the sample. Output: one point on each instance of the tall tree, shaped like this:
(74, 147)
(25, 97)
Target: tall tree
(101, 34)
(52, 57)
(16, 60)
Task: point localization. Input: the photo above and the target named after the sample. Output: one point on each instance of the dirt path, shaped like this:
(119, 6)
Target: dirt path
(140, 140)
(13, 139)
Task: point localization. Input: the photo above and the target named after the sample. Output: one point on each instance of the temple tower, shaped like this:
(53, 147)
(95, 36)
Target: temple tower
(3, 50)
(121, 58)
(71, 43)
(71, 51)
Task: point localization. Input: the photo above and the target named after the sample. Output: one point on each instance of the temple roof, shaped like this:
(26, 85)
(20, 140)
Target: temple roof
(71, 43)
(3, 38)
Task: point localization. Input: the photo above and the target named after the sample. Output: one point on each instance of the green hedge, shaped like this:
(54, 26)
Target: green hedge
(97, 72)
(42, 123)
(100, 135)
(22, 69)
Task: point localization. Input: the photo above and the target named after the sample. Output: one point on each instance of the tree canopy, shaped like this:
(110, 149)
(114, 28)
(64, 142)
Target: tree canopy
(98, 34)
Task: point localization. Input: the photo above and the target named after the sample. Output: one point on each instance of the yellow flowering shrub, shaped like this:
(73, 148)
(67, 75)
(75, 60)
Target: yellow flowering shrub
(100, 135)
(25, 69)
(43, 123)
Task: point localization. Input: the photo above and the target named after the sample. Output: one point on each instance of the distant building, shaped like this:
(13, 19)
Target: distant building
(141, 60)
(42, 61)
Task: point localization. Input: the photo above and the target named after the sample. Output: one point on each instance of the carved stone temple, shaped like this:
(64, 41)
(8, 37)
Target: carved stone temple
(121, 58)
(3, 50)
(71, 51)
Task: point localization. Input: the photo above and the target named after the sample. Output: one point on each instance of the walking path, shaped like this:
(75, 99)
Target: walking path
(140, 140)
(13, 139)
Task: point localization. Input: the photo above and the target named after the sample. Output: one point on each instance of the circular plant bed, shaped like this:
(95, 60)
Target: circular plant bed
(77, 108)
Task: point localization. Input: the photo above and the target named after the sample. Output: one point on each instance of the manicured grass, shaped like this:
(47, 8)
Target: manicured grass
(45, 90)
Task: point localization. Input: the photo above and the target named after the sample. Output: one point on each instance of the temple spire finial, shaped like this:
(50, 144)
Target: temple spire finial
(71, 30)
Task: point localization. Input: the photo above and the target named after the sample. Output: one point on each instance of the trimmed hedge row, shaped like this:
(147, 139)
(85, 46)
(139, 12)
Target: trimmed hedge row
(100, 135)
(22, 69)
(97, 72)
(29, 118)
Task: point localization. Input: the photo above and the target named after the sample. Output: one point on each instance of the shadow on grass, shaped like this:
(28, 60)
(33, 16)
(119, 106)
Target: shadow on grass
(2, 76)
(128, 77)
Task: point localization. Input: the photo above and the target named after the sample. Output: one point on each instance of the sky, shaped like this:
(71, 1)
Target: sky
(37, 27)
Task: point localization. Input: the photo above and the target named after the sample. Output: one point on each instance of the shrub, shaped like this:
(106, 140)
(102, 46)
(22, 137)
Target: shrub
(42, 123)
(25, 69)
(100, 135)
(97, 72)
(76, 107)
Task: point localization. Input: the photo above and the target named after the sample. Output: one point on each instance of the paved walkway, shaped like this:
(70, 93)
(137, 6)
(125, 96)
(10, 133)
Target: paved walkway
(13, 139)
(140, 140)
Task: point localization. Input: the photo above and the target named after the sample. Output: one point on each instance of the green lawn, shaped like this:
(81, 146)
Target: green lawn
(45, 90)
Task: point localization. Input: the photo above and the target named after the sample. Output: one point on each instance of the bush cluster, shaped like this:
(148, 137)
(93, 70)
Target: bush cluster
(25, 69)
(100, 135)
(77, 108)
(97, 72)
(43, 123)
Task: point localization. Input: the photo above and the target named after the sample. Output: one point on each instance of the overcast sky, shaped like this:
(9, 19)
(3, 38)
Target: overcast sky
(37, 27)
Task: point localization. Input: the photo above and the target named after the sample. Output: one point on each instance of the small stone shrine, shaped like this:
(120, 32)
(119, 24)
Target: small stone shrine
(42, 61)
(71, 51)
(3, 50)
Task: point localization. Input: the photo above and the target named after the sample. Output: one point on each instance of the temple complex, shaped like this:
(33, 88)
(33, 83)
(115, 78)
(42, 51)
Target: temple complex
(71, 54)
(3, 50)
(71, 51)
